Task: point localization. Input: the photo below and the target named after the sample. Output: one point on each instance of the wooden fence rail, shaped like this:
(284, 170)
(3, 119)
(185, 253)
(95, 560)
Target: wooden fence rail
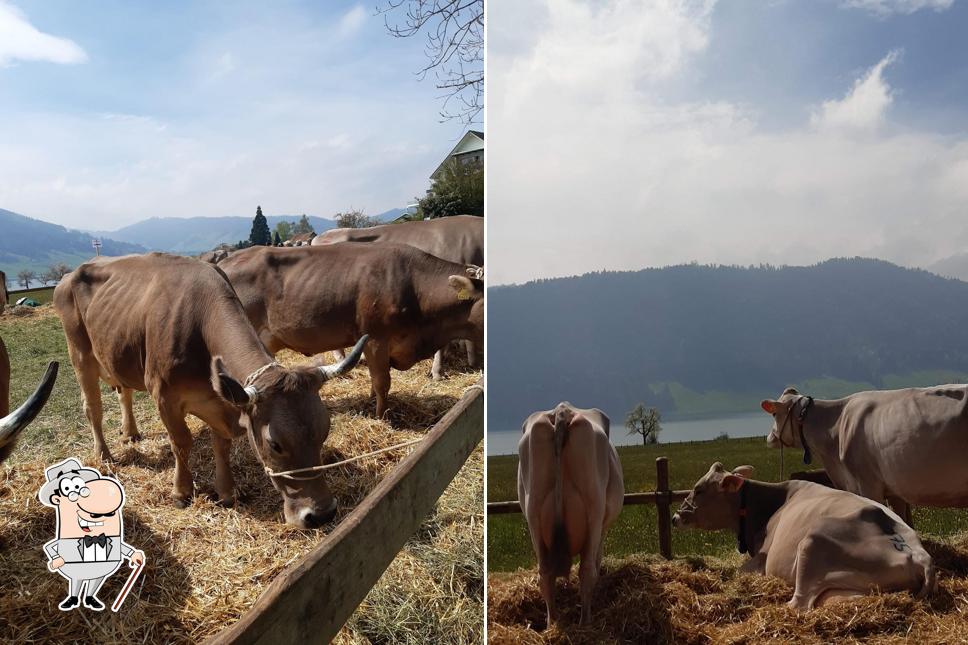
(661, 497)
(311, 600)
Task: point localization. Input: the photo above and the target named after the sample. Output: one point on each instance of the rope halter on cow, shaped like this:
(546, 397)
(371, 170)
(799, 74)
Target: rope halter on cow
(249, 383)
(319, 470)
(788, 419)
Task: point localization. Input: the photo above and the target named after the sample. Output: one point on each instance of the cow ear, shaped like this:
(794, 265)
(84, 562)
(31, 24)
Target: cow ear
(226, 386)
(731, 483)
(768, 406)
(743, 471)
(464, 286)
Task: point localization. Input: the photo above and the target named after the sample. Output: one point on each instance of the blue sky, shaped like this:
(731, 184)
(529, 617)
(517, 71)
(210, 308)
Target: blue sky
(781, 131)
(112, 112)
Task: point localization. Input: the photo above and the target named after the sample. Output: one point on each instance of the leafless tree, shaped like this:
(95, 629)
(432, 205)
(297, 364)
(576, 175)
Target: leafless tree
(25, 277)
(354, 219)
(454, 48)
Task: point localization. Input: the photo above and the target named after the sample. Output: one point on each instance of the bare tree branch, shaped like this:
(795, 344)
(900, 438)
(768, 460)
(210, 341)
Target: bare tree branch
(454, 49)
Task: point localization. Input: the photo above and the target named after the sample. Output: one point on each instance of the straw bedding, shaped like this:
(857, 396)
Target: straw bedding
(206, 565)
(644, 599)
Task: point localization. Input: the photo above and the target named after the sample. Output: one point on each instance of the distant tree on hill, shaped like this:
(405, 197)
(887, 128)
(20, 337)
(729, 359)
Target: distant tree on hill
(354, 219)
(284, 230)
(46, 277)
(276, 241)
(259, 236)
(457, 190)
(25, 277)
(303, 226)
(644, 421)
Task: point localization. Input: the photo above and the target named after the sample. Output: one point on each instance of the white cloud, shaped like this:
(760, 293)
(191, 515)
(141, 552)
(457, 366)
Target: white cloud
(864, 106)
(19, 40)
(884, 8)
(352, 20)
(596, 171)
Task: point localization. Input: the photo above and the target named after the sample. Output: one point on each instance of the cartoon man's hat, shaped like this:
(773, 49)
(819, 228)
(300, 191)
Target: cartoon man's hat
(68, 468)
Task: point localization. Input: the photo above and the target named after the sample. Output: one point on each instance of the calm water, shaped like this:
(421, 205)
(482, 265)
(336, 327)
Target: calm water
(505, 442)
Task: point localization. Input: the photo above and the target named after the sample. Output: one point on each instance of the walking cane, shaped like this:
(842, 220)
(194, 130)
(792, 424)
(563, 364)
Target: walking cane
(137, 567)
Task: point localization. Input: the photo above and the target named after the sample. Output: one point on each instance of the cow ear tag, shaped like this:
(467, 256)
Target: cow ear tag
(463, 294)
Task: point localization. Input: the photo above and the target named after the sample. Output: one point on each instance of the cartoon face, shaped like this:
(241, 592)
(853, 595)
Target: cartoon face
(88, 508)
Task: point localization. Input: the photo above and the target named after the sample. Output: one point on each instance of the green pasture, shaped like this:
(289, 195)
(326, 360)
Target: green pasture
(509, 547)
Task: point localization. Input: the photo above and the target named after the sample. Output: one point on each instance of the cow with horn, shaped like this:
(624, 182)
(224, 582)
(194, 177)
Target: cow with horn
(175, 328)
(13, 423)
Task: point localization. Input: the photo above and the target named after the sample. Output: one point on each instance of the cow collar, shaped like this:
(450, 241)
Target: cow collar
(741, 543)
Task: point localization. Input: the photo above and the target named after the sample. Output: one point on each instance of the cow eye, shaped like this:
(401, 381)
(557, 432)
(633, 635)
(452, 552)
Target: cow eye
(275, 446)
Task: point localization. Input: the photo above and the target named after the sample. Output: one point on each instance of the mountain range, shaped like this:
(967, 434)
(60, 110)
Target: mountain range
(27, 243)
(709, 340)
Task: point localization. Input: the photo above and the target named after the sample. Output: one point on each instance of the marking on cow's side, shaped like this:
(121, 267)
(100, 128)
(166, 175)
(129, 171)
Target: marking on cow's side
(899, 543)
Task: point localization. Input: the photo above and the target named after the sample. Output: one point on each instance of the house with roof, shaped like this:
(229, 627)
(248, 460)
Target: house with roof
(470, 149)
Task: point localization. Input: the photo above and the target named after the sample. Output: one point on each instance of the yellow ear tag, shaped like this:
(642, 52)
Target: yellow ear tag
(463, 294)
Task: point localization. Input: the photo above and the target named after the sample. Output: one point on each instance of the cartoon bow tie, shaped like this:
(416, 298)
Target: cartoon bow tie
(88, 540)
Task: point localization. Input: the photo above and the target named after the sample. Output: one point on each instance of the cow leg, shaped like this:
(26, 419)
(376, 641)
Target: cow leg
(338, 355)
(435, 369)
(378, 361)
(129, 427)
(902, 508)
(472, 354)
(546, 581)
(588, 570)
(224, 483)
(88, 377)
(181, 446)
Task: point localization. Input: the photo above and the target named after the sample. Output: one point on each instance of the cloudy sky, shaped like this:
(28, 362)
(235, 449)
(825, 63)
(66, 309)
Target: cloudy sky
(626, 134)
(115, 111)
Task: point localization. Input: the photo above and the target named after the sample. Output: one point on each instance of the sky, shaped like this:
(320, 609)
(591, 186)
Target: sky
(626, 134)
(113, 112)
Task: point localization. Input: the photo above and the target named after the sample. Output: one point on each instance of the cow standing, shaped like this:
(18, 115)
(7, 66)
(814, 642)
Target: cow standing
(903, 446)
(827, 543)
(318, 298)
(12, 424)
(570, 489)
(174, 327)
(459, 238)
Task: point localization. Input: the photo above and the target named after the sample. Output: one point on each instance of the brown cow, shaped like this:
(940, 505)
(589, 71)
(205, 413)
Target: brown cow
(174, 327)
(459, 239)
(318, 298)
(828, 543)
(570, 489)
(11, 424)
(4, 296)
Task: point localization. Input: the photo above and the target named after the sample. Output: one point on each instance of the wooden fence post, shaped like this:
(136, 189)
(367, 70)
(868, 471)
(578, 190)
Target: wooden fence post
(662, 499)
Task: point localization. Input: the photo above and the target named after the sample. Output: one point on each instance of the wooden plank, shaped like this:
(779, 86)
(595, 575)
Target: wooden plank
(631, 499)
(662, 507)
(310, 601)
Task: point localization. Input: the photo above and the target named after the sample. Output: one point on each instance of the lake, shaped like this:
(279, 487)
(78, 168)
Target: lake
(505, 442)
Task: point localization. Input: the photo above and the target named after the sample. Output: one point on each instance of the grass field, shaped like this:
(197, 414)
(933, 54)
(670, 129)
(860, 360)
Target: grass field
(208, 564)
(43, 295)
(509, 547)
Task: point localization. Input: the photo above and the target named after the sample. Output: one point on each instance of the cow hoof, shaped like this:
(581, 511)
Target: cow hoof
(106, 459)
(181, 502)
(132, 438)
(225, 502)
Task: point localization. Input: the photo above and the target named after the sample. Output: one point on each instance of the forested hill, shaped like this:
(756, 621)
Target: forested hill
(27, 243)
(711, 339)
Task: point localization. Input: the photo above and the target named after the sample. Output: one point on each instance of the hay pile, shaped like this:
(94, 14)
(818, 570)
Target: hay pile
(206, 565)
(644, 599)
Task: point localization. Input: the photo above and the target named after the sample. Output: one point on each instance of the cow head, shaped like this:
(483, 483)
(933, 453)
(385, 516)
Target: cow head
(784, 411)
(287, 424)
(469, 288)
(713, 503)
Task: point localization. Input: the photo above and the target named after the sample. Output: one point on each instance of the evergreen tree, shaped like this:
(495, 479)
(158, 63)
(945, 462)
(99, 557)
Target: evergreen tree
(303, 226)
(275, 239)
(260, 236)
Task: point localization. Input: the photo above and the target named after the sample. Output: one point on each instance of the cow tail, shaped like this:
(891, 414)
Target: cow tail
(560, 549)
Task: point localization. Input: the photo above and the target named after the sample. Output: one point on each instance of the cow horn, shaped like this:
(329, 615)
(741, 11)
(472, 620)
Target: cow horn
(348, 363)
(13, 423)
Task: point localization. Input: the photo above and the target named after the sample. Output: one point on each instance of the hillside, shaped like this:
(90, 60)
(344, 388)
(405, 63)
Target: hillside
(27, 243)
(695, 340)
(953, 266)
(191, 235)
